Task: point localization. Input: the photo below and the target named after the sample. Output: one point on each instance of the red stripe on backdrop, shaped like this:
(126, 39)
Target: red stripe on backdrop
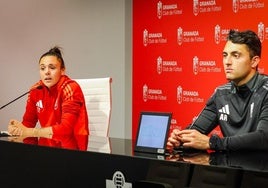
(177, 52)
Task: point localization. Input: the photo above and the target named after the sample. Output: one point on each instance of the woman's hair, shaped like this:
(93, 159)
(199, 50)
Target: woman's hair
(248, 38)
(55, 51)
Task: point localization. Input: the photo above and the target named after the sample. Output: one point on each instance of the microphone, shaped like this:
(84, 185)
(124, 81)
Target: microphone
(192, 124)
(209, 102)
(181, 149)
(38, 87)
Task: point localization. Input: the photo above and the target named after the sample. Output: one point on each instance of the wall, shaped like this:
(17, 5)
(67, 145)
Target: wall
(95, 37)
(177, 52)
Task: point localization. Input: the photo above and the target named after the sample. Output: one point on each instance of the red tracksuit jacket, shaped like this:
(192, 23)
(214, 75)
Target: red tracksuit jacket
(62, 107)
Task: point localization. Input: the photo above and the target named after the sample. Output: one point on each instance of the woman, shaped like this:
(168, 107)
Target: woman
(56, 101)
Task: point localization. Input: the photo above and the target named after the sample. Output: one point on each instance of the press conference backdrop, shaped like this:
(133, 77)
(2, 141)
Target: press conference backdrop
(177, 52)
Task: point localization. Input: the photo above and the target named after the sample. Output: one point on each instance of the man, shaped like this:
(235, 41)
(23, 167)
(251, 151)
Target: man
(239, 107)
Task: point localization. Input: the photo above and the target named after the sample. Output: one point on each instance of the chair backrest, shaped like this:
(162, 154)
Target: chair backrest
(99, 144)
(97, 93)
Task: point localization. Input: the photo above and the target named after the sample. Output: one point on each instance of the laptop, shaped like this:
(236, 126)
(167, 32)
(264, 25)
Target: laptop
(152, 132)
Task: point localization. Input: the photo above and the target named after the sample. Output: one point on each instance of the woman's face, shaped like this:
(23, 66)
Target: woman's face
(50, 70)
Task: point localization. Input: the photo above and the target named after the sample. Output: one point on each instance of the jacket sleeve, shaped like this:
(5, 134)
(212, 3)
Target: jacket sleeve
(72, 102)
(207, 119)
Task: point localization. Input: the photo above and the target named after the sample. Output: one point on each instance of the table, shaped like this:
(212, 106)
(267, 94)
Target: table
(110, 162)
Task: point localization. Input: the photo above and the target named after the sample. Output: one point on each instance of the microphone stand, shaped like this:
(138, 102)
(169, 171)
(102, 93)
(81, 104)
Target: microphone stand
(5, 133)
(38, 87)
(14, 100)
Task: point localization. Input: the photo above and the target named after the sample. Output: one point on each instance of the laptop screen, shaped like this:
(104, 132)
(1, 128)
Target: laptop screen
(152, 132)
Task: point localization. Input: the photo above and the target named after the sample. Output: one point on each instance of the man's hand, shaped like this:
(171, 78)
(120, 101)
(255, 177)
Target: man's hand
(194, 139)
(174, 139)
(188, 138)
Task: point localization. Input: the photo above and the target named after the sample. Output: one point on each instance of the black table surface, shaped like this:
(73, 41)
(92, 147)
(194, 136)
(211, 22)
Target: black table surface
(247, 160)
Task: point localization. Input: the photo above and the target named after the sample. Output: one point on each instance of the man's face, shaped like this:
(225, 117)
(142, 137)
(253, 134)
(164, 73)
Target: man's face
(238, 65)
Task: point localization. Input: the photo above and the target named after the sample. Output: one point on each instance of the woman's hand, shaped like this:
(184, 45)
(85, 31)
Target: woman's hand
(16, 128)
